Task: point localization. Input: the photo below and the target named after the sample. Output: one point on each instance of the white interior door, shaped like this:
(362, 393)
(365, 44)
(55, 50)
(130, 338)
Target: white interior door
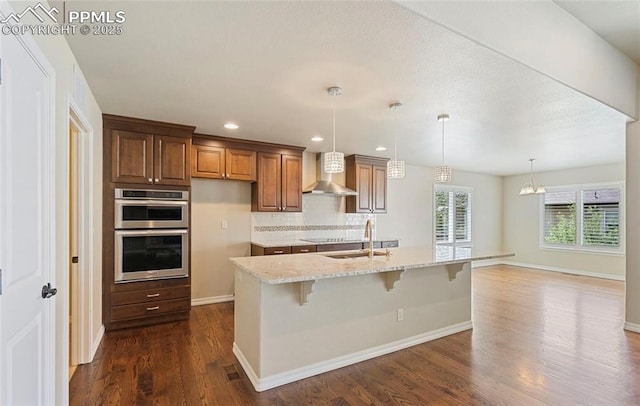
(27, 321)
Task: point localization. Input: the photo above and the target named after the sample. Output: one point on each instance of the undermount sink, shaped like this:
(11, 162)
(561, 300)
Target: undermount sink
(358, 254)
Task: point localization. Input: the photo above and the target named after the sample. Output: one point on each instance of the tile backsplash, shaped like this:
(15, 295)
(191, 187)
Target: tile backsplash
(321, 217)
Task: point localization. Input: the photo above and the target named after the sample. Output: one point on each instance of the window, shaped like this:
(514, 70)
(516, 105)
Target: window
(452, 215)
(583, 217)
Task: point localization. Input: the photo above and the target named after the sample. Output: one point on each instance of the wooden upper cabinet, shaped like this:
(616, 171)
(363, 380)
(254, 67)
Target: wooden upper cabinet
(291, 183)
(207, 162)
(367, 176)
(172, 160)
(279, 184)
(223, 163)
(147, 152)
(240, 164)
(132, 157)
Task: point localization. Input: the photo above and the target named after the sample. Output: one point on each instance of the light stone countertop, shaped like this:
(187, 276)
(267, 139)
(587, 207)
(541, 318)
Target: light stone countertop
(297, 242)
(277, 269)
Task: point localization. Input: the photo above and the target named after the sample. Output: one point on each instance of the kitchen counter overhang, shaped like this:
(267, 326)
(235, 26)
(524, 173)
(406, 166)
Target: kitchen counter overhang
(310, 267)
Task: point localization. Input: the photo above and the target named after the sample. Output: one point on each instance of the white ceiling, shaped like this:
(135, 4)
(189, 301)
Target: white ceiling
(618, 22)
(266, 66)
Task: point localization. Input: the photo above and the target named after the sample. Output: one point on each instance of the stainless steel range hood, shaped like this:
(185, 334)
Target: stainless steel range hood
(325, 186)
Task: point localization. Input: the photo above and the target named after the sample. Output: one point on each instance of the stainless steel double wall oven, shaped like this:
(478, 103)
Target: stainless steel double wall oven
(151, 234)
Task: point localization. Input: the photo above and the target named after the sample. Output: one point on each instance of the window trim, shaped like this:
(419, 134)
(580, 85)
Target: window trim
(578, 247)
(452, 188)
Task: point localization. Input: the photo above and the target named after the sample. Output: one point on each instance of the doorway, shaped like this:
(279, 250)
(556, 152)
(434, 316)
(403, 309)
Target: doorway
(82, 230)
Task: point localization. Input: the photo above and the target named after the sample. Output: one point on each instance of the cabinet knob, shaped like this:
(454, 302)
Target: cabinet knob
(157, 180)
(150, 180)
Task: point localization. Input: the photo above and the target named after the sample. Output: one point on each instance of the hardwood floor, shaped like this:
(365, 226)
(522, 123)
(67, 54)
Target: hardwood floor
(538, 338)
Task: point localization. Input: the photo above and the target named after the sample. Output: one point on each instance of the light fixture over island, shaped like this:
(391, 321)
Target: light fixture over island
(301, 315)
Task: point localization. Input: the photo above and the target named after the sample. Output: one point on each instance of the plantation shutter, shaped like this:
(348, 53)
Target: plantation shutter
(443, 218)
(452, 216)
(560, 217)
(601, 217)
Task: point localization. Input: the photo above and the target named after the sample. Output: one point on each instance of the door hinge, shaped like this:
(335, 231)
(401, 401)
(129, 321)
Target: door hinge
(0, 282)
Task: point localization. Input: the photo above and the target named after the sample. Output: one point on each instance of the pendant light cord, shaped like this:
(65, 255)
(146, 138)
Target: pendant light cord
(443, 142)
(395, 147)
(334, 128)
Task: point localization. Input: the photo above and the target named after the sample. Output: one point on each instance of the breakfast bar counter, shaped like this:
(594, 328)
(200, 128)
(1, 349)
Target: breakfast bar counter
(304, 314)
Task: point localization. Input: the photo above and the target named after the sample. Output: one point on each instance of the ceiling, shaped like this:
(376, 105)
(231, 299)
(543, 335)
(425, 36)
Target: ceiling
(617, 21)
(266, 66)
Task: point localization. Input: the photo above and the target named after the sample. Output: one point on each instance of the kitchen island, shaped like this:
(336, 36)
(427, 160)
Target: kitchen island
(300, 315)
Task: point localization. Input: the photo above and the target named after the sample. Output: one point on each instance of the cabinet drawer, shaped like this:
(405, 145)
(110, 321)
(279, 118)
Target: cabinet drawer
(277, 250)
(150, 309)
(390, 244)
(303, 249)
(340, 247)
(150, 295)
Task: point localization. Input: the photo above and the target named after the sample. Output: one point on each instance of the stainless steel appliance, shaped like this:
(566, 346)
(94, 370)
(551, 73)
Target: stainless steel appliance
(135, 208)
(152, 234)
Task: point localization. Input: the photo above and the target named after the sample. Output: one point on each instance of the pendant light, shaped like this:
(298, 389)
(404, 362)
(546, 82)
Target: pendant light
(443, 172)
(395, 168)
(529, 188)
(334, 161)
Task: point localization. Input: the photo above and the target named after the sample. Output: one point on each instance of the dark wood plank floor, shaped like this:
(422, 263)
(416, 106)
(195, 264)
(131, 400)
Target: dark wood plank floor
(538, 338)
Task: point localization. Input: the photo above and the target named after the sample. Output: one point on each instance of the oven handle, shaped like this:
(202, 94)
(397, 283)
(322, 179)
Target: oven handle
(152, 232)
(123, 202)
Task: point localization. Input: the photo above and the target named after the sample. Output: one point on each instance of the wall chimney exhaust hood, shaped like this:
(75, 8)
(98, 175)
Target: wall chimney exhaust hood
(325, 186)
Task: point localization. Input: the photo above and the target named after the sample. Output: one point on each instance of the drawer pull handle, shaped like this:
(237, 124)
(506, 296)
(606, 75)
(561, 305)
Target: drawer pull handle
(153, 308)
(154, 295)
(278, 252)
(304, 250)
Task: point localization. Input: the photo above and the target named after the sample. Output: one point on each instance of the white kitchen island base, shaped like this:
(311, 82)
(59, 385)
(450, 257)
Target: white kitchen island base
(345, 320)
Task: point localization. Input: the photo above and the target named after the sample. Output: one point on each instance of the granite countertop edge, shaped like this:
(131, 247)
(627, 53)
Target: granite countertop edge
(343, 267)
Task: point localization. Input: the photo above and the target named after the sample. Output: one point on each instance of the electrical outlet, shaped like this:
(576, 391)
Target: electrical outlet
(400, 314)
(224, 224)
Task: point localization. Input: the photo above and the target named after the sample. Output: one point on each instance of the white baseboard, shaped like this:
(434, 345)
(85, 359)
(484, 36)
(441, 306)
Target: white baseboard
(96, 342)
(565, 270)
(485, 262)
(262, 384)
(213, 299)
(632, 327)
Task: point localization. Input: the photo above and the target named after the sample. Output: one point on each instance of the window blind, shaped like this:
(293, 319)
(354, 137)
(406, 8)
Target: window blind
(560, 217)
(601, 217)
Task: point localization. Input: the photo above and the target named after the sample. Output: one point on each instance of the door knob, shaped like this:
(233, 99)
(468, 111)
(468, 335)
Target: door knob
(48, 291)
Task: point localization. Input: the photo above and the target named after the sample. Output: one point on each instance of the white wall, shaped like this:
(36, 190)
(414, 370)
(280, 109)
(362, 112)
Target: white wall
(521, 222)
(633, 228)
(213, 201)
(410, 208)
(57, 51)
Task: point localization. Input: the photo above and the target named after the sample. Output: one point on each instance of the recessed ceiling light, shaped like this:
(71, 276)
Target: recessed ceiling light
(381, 148)
(231, 126)
(317, 138)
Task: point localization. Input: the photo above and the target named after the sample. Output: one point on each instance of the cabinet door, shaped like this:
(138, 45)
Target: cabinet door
(172, 163)
(269, 184)
(207, 162)
(132, 157)
(240, 164)
(291, 183)
(364, 186)
(379, 192)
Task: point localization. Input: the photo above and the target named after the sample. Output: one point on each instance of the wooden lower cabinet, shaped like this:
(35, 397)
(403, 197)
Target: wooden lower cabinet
(136, 304)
